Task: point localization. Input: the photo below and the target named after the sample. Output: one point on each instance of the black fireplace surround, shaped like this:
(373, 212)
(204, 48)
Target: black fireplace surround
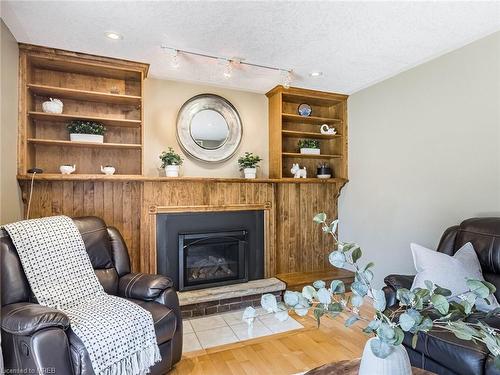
(206, 249)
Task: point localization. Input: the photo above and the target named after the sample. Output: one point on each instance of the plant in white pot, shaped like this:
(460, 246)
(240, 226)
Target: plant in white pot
(309, 146)
(86, 131)
(171, 161)
(248, 164)
(419, 310)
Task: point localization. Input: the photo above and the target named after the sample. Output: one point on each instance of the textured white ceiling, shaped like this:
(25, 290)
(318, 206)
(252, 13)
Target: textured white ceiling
(355, 44)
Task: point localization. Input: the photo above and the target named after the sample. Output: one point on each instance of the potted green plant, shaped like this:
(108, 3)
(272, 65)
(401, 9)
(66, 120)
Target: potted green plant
(309, 146)
(86, 131)
(419, 310)
(248, 164)
(171, 161)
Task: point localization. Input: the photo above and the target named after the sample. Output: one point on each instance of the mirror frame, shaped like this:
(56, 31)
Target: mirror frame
(226, 109)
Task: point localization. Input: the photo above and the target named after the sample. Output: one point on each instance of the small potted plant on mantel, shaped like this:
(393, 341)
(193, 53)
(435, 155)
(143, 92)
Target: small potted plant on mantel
(309, 146)
(86, 131)
(248, 164)
(171, 162)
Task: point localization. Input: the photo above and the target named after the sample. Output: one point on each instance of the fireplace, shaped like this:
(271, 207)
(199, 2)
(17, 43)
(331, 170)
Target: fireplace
(212, 259)
(206, 249)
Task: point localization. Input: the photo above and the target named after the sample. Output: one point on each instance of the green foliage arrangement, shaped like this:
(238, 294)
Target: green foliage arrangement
(170, 158)
(419, 310)
(308, 143)
(86, 127)
(249, 160)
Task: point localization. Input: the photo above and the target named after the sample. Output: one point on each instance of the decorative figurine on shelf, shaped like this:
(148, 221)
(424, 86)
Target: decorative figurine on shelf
(114, 90)
(324, 171)
(325, 129)
(67, 168)
(249, 164)
(298, 172)
(108, 170)
(52, 106)
(171, 161)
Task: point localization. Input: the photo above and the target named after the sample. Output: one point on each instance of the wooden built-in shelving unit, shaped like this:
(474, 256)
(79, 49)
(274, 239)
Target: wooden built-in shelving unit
(93, 88)
(287, 127)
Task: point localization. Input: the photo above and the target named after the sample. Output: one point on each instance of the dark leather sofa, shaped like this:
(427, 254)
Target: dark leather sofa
(37, 338)
(441, 352)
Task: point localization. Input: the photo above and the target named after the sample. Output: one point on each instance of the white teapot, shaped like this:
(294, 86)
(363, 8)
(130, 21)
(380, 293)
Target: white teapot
(67, 169)
(108, 170)
(52, 106)
(325, 129)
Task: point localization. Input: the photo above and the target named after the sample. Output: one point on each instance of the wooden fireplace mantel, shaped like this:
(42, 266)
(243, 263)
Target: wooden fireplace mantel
(294, 242)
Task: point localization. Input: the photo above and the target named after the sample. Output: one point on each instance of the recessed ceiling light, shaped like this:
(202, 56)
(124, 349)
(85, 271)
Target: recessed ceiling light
(316, 74)
(113, 35)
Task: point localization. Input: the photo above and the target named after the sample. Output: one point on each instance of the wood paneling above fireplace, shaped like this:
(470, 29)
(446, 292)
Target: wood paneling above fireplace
(293, 242)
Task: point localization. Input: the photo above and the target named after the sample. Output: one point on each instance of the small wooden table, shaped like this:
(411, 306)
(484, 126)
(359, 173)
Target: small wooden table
(351, 367)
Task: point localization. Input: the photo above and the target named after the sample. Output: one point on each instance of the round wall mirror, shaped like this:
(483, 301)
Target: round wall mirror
(209, 128)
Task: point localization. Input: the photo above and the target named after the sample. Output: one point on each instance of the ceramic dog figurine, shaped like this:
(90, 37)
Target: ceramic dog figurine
(298, 172)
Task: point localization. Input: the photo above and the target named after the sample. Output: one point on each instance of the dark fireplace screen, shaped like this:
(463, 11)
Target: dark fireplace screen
(212, 259)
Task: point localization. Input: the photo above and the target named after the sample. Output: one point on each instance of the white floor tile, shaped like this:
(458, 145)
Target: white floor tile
(208, 322)
(276, 326)
(186, 326)
(259, 329)
(233, 318)
(216, 337)
(190, 343)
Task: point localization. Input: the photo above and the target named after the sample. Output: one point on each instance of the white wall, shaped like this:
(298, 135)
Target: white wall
(163, 99)
(10, 196)
(424, 154)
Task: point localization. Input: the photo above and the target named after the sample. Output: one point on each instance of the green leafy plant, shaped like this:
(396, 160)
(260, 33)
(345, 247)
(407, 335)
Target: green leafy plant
(419, 309)
(86, 127)
(308, 143)
(249, 160)
(170, 158)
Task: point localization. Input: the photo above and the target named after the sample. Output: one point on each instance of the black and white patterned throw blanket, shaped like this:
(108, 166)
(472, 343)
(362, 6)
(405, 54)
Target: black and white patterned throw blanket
(118, 335)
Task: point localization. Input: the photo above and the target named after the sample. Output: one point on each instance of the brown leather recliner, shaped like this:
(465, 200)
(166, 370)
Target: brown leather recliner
(440, 351)
(37, 338)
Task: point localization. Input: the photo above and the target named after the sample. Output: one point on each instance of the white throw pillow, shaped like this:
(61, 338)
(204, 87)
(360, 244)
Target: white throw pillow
(450, 272)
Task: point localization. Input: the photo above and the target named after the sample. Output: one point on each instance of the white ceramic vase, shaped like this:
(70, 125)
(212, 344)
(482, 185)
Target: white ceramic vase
(92, 138)
(172, 171)
(396, 363)
(310, 151)
(250, 172)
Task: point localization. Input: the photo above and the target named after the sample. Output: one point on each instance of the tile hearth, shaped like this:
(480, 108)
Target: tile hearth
(227, 328)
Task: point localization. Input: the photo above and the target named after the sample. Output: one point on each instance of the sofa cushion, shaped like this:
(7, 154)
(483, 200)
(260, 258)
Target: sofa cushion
(463, 357)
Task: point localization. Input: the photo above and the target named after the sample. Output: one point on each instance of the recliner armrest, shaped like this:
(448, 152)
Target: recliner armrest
(395, 282)
(143, 286)
(399, 281)
(26, 318)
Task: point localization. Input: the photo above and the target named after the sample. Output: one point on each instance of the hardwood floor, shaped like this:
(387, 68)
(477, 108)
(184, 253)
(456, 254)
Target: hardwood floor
(285, 353)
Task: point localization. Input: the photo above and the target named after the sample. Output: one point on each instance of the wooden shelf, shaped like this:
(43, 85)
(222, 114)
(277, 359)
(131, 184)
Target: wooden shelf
(298, 134)
(67, 117)
(50, 142)
(125, 177)
(308, 119)
(92, 96)
(309, 156)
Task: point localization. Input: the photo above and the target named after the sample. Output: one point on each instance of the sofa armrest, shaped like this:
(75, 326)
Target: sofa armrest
(24, 318)
(143, 286)
(393, 283)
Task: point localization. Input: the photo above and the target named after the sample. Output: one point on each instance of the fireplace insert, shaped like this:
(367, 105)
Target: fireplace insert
(212, 259)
